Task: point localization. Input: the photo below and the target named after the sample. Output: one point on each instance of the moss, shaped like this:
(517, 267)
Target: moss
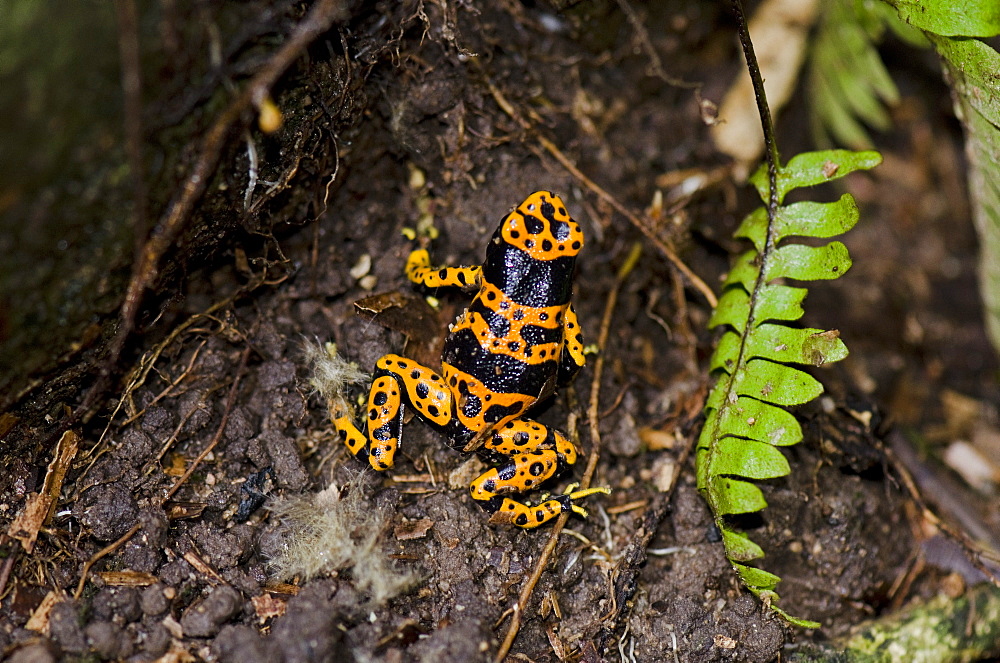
(335, 530)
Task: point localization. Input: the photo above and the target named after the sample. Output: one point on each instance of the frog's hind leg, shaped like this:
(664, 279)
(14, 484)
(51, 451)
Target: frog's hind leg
(398, 381)
(536, 453)
(522, 435)
(385, 424)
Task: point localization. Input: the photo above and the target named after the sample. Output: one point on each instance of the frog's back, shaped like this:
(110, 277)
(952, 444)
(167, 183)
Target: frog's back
(503, 353)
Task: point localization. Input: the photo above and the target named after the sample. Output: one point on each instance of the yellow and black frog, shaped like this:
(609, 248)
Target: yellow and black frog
(516, 342)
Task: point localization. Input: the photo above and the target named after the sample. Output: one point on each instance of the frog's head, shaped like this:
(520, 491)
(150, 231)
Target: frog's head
(541, 227)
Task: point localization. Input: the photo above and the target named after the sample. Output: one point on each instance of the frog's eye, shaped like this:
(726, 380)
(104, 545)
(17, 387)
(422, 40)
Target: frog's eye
(561, 230)
(532, 207)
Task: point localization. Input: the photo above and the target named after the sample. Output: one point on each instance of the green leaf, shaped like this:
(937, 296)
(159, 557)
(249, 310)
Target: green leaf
(732, 496)
(757, 578)
(757, 420)
(779, 302)
(739, 546)
(747, 458)
(776, 383)
(779, 343)
(733, 309)
(798, 346)
(795, 621)
(952, 18)
(849, 85)
(726, 352)
(806, 219)
(976, 66)
(812, 168)
(809, 263)
(972, 67)
(746, 269)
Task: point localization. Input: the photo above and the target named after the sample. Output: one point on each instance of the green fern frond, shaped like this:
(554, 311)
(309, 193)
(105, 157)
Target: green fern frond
(849, 85)
(745, 422)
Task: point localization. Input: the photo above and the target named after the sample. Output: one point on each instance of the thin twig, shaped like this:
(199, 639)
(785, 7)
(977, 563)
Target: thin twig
(230, 402)
(655, 64)
(170, 387)
(102, 554)
(139, 374)
(895, 453)
(8, 563)
(634, 556)
(639, 223)
(595, 451)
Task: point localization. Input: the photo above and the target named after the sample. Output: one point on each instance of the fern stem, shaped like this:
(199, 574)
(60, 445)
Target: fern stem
(767, 125)
(773, 160)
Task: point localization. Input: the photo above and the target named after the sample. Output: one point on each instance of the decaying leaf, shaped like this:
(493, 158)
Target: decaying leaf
(39, 506)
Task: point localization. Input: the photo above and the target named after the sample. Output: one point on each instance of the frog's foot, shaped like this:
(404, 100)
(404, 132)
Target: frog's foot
(571, 493)
(511, 512)
(522, 473)
(352, 438)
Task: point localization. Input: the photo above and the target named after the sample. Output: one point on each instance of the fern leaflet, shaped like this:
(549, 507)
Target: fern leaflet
(745, 422)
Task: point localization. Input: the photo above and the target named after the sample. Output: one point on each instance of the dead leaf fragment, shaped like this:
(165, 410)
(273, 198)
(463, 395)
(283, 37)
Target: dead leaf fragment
(127, 578)
(465, 473)
(26, 525)
(39, 620)
(664, 473)
(7, 421)
(39, 506)
(283, 588)
(724, 642)
(414, 529)
(657, 439)
(267, 606)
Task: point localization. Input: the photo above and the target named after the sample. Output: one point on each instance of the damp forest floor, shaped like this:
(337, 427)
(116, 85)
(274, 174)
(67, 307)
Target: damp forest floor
(202, 438)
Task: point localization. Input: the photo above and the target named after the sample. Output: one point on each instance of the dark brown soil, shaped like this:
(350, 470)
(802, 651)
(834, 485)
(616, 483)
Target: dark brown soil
(403, 123)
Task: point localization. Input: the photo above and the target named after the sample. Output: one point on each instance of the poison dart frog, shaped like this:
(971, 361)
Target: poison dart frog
(516, 342)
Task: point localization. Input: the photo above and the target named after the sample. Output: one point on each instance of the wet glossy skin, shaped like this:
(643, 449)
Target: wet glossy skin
(517, 340)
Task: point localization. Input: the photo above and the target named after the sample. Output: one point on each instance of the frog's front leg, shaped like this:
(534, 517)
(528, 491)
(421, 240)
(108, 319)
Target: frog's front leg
(398, 381)
(537, 453)
(572, 359)
(419, 270)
